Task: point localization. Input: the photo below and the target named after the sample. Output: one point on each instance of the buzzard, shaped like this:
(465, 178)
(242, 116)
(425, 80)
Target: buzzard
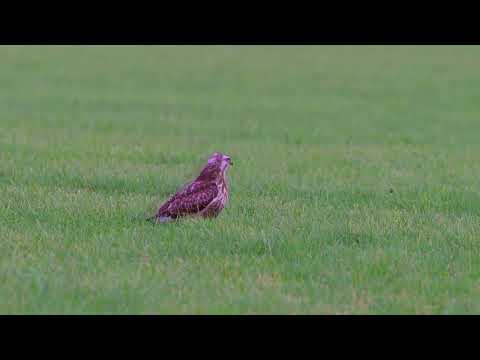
(205, 197)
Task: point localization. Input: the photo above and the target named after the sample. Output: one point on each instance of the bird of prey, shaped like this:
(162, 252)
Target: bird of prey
(205, 197)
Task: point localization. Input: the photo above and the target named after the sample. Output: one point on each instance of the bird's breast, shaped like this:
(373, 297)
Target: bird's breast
(223, 191)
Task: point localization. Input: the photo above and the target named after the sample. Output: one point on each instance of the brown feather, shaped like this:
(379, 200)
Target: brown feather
(206, 196)
(189, 201)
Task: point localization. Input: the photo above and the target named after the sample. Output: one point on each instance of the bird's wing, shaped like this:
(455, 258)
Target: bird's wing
(192, 199)
(183, 191)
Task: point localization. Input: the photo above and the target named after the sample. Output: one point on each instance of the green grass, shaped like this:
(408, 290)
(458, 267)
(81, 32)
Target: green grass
(355, 187)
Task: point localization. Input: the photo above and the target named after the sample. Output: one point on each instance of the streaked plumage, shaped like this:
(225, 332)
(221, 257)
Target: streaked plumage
(206, 196)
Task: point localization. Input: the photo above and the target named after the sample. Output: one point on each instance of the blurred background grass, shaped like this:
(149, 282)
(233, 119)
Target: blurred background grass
(355, 185)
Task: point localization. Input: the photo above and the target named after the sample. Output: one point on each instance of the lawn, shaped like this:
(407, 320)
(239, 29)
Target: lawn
(355, 187)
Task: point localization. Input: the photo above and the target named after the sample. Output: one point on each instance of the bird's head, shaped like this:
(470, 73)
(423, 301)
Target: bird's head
(216, 167)
(223, 161)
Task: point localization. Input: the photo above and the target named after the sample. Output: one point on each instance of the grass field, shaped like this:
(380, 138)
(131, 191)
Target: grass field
(354, 190)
